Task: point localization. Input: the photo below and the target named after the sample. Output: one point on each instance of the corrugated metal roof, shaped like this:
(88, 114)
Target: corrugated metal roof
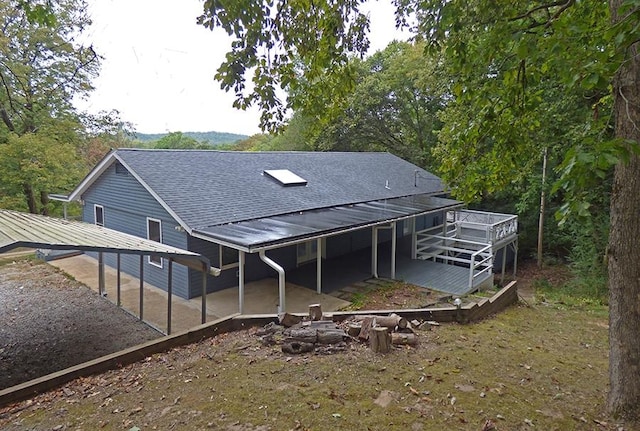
(19, 229)
(277, 231)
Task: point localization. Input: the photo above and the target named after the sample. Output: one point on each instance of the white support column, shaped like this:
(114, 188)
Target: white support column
(319, 266)
(374, 252)
(393, 250)
(414, 239)
(241, 281)
(169, 293)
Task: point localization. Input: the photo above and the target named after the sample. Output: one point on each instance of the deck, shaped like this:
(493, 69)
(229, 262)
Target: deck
(340, 273)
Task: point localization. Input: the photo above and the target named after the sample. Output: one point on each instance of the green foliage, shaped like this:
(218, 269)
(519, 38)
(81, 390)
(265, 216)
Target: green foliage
(394, 106)
(41, 70)
(302, 47)
(177, 140)
(212, 138)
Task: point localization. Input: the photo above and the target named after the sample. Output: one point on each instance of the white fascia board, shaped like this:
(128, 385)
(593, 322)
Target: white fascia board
(91, 177)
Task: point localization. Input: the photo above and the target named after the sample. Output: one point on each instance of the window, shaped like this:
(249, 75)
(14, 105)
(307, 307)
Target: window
(154, 233)
(98, 215)
(228, 257)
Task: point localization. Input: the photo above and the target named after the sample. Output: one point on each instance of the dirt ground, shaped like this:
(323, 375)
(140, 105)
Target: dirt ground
(49, 322)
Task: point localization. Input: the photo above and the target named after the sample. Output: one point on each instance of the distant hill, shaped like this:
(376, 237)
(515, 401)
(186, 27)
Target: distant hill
(213, 138)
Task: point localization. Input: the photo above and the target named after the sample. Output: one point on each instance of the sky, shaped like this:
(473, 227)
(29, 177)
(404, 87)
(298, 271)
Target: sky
(158, 65)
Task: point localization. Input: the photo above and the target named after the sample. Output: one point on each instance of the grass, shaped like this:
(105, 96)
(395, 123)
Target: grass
(543, 365)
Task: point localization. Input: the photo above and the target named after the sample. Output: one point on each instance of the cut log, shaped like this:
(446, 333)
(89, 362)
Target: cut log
(404, 338)
(367, 322)
(305, 335)
(315, 312)
(320, 324)
(392, 321)
(354, 329)
(380, 340)
(297, 347)
(287, 320)
(331, 336)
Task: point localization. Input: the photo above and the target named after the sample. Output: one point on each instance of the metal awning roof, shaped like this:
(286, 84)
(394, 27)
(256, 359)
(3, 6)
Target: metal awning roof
(19, 229)
(273, 232)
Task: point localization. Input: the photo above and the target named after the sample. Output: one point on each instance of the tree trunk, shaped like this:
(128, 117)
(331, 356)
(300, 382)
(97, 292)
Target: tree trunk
(380, 340)
(624, 251)
(31, 198)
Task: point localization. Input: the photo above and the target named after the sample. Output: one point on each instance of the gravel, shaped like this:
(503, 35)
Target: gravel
(49, 322)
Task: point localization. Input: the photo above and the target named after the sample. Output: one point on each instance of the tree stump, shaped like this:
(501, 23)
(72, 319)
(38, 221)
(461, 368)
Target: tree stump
(287, 320)
(367, 322)
(380, 340)
(315, 312)
(354, 329)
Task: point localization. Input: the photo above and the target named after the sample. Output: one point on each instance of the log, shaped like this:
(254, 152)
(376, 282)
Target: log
(315, 312)
(287, 320)
(404, 338)
(354, 329)
(331, 336)
(380, 340)
(304, 335)
(297, 347)
(392, 321)
(367, 322)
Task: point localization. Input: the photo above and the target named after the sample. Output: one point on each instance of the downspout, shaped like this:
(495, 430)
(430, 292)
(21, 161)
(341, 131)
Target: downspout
(280, 271)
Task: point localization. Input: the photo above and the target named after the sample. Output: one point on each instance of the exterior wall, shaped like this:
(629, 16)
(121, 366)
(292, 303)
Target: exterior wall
(255, 269)
(126, 208)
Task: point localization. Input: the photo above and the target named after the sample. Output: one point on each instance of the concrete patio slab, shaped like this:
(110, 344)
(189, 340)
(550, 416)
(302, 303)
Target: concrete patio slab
(261, 297)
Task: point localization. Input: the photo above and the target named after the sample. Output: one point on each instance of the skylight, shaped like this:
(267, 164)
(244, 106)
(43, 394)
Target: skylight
(285, 177)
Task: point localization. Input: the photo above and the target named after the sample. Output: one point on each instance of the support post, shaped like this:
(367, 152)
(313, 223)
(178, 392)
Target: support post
(241, 257)
(393, 250)
(414, 239)
(515, 257)
(374, 252)
(118, 282)
(504, 263)
(319, 266)
(281, 280)
(101, 288)
(141, 287)
(203, 318)
(169, 292)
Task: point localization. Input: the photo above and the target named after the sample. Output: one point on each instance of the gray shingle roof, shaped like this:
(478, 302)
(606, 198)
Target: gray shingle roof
(207, 188)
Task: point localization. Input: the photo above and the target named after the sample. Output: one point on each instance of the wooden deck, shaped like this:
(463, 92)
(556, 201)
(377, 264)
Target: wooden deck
(438, 276)
(340, 273)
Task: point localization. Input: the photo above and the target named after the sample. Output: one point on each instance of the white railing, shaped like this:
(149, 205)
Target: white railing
(491, 228)
(441, 244)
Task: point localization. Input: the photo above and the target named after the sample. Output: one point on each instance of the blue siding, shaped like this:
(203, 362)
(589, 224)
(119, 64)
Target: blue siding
(255, 269)
(126, 207)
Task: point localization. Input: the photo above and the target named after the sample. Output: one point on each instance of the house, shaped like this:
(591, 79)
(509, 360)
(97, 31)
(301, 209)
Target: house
(263, 214)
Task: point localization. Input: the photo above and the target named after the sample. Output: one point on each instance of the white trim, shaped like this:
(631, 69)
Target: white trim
(155, 220)
(102, 166)
(95, 214)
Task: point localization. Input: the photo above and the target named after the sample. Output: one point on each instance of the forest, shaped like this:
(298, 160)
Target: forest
(519, 106)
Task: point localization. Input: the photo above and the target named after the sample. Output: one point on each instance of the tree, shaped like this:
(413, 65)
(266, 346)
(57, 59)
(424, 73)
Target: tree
(41, 69)
(394, 106)
(176, 140)
(500, 53)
